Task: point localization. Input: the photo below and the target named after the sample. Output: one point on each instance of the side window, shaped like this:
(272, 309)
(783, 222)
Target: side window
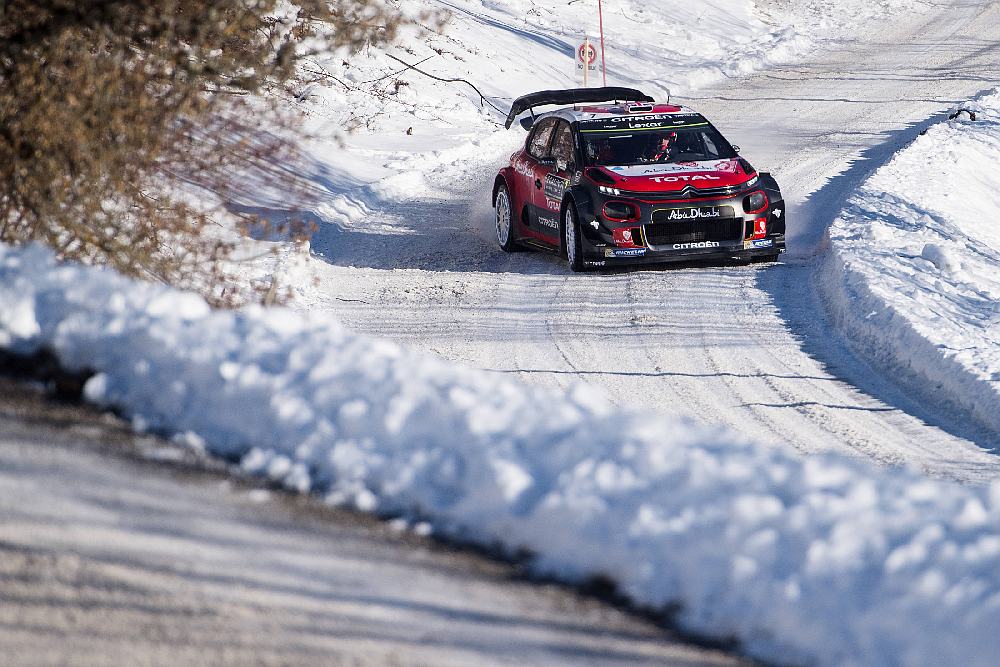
(562, 145)
(538, 145)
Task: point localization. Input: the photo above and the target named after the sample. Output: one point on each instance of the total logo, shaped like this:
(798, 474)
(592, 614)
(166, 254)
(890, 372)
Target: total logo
(685, 179)
(694, 246)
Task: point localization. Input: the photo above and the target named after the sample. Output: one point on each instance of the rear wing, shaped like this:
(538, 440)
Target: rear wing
(573, 96)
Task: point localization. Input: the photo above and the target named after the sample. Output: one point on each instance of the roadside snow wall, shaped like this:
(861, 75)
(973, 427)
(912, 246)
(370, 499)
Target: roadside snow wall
(913, 272)
(817, 560)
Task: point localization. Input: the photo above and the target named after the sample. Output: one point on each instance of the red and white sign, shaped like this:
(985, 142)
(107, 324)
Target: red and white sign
(586, 60)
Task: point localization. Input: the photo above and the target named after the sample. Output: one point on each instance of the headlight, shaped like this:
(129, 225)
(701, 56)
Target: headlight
(604, 190)
(755, 202)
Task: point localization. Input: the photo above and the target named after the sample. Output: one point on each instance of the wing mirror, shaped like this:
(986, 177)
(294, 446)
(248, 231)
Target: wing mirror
(527, 122)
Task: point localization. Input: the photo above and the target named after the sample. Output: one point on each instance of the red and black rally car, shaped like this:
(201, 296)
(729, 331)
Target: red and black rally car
(631, 181)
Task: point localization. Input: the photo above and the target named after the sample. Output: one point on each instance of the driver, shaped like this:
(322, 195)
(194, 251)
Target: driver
(666, 149)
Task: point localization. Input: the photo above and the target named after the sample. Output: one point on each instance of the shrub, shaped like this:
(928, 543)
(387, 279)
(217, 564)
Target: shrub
(109, 109)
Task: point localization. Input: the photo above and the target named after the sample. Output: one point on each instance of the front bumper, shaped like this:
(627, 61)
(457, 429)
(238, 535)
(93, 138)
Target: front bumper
(653, 238)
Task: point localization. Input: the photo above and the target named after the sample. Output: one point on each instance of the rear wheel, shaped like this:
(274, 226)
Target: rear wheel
(572, 245)
(504, 220)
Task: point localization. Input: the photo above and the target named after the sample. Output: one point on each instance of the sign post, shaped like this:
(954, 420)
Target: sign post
(604, 66)
(586, 57)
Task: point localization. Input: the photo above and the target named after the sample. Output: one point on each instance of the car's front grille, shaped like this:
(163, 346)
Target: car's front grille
(694, 231)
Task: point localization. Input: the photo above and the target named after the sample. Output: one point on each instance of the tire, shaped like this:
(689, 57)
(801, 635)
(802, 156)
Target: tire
(571, 243)
(504, 222)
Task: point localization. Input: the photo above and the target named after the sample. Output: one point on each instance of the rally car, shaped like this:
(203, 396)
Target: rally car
(619, 179)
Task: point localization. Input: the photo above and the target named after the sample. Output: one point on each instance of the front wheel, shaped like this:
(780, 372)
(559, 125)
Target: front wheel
(504, 220)
(572, 245)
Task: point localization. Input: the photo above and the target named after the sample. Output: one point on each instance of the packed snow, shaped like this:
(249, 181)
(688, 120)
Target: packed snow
(912, 270)
(821, 560)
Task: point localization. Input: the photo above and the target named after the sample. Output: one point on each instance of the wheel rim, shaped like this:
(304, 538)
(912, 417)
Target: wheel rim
(503, 217)
(570, 237)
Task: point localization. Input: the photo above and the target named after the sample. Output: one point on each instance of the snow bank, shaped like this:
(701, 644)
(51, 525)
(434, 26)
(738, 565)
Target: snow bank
(912, 271)
(806, 560)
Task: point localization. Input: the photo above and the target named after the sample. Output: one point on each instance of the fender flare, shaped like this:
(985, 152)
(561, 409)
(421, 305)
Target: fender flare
(575, 197)
(580, 197)
(770, 186)
(521, 215)
(501, 179)
(767, 182)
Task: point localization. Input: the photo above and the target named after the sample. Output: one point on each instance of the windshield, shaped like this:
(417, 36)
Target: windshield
(654, 146)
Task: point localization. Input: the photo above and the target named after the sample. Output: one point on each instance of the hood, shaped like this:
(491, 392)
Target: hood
(676, 176)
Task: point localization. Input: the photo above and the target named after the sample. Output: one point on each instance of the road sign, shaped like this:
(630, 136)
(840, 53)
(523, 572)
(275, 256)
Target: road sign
(586, 60)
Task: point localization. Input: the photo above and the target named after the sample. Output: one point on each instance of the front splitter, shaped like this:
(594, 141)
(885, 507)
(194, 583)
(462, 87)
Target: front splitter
(605, 257)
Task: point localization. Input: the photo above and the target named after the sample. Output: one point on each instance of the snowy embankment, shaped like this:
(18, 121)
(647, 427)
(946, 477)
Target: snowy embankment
(820, 560)
(912, 274)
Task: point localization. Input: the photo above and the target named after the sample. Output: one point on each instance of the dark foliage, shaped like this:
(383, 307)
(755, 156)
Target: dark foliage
(107, 107)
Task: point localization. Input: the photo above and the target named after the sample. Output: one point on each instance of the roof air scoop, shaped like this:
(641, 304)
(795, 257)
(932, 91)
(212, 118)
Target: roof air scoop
(640, 108)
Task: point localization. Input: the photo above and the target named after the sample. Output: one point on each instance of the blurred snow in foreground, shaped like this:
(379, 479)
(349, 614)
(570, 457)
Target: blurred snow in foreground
(822, 560)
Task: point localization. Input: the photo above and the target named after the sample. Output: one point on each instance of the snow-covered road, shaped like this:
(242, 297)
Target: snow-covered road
(745, 346)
